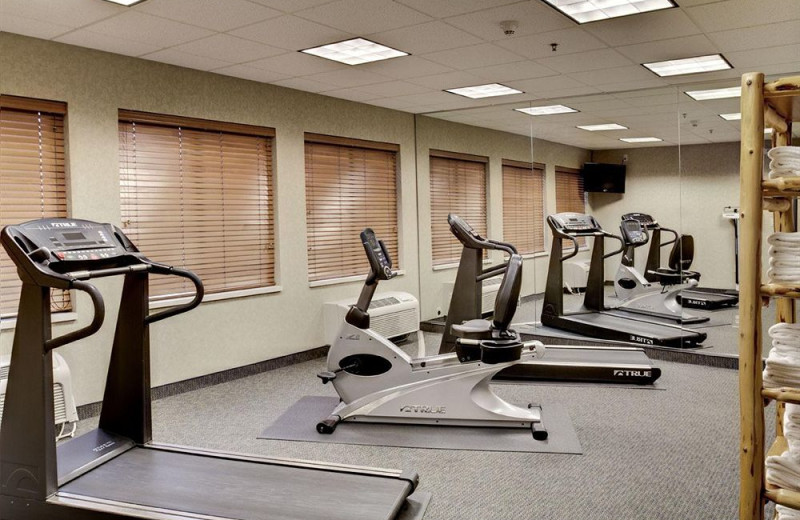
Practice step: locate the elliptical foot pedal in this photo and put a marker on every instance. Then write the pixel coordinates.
(328, 425)
(500, 351)
(326, 376)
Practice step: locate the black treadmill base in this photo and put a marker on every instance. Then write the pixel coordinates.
(530, 372)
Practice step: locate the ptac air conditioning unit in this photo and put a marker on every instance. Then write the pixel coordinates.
(391, 314)
(64, 401)
(488, 295)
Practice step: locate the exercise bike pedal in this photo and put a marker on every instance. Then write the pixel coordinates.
(326, 376)
(328, 425)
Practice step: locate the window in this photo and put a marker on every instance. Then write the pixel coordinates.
(570, 196)
(32, 180)
(198, 194)
(350, 185)
(523, 206)
(458, 185)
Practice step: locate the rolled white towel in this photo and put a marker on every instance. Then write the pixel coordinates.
(784, 470)
(786, 513)
(791, 427)
(784, 152)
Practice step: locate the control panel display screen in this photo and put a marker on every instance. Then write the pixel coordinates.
(73, 236)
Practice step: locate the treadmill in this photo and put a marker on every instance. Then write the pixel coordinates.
(595, 364)
(593, 318)
(706, 298)
(116, 471)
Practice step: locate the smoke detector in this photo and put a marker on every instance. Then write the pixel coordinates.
(509, 27)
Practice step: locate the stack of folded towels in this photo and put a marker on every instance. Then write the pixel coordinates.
(783, 361)
(784, 470)
(785, 161)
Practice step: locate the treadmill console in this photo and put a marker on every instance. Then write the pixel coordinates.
(64, 244)
(378, 257)
(633, 232)
(574, 224)
(464, 232)
(647, 221)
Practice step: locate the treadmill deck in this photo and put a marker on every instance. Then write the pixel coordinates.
(216, 487)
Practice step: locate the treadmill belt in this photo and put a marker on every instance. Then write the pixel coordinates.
(631, 325)
(238, 489)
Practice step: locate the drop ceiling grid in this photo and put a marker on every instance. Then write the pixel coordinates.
(454, 43)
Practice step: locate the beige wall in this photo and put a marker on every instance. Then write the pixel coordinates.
(684, 189)
(438, 134)
(225, 334)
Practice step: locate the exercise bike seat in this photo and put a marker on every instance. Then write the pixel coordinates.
(680, 260)
(492, 341)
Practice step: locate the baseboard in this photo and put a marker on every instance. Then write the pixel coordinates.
(179, 387)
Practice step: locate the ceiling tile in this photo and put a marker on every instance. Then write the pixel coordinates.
(545, 84)
(583, 61)
(291, 33)
(73, 13)
(613, 75)
(346, 78)
(474, 56)
(393, 88)
(297, 64)
(144, 28)
(697, 45)
(291, 6)
(304, 84)
(351, 94)
(447, 80)
(692, 3)
(445, 8)
(645, 27)
(393, 103)
(251, 73)
(211, 14)
(425, 37)
(734, 14)
(756, 58)
(512, 71)
(228, 48)
(405, 67)
(640, 85)
(534, 17)
(104, 42)
(29, 27)
(539, 45)
(364, 16)
(757, 37)
(184, 59)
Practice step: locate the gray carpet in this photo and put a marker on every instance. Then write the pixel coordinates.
(647, 455)
(298, 424)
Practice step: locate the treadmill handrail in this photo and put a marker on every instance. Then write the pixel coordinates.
(575, 248)
(178, 309)
(675, 236)
(94, 326)
(621, 246)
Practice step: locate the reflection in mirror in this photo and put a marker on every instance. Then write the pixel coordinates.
(679, 148)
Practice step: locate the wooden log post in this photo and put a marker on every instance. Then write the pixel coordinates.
(751, 453)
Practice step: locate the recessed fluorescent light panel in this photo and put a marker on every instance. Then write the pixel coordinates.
(715, 93)
(484, 91)
(599, 128)
(731, 117)
(355, 51)
(126, 3)
(694, 65)
(546, 111)
(641, 139)
(583, 11)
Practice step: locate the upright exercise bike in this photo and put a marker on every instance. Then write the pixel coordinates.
(637, 294)
(378, 382)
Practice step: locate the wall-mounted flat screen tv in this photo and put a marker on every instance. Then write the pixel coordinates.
(604, 178)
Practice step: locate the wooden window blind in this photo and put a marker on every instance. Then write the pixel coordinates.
(458, 185)
(523, 206)
(350, 185)
(32, 180)
(570, 196)
(198, 194)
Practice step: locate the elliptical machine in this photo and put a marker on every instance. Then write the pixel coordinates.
(635, 292)
(378, 382)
